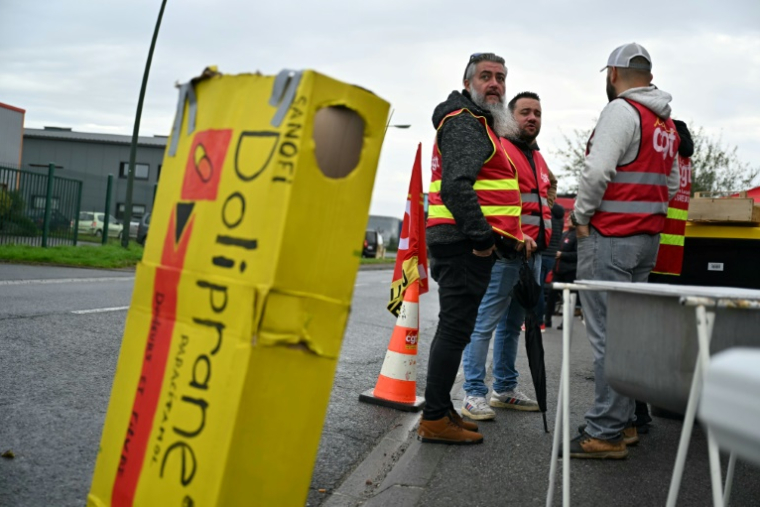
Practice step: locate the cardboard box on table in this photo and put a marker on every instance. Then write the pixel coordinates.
(243, 293)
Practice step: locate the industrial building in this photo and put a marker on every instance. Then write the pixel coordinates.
(90, 158)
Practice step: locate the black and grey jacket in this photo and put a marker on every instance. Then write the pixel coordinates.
(465, 147)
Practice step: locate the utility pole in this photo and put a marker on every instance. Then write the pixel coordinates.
(133, 149)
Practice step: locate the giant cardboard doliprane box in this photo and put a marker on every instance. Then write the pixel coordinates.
(243, 293)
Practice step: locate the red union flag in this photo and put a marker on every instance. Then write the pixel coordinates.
(411, 260)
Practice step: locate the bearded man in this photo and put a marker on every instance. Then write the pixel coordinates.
(473, 215)
(629, 175)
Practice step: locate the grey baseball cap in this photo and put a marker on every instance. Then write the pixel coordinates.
(623, 55)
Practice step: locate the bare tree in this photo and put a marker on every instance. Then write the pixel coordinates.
(716, 168)
(573, 153)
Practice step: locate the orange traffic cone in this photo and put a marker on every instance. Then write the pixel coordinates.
(397, 384)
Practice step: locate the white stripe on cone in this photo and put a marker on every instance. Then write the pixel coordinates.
(400, 366)
(409, 315)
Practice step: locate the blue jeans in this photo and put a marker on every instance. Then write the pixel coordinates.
(547, 264)
(628, 259)
(496, 308)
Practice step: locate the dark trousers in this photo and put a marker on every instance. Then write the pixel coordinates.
(462, 283)
(642, 413)
(547, 264)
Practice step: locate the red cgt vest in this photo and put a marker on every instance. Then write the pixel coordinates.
(496, 188)
(670, 255)
(534, 188)
(636, 200)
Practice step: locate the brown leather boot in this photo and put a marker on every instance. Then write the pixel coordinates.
(586, 446)
(469, 426)
(446, 431)
(631, 435)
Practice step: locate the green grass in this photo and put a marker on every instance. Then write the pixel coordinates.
(378, 261)
(87, 238)
(108, 256)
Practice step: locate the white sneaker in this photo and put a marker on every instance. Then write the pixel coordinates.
(515, 399)
(476, 408)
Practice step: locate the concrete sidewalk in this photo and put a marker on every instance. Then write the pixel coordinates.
(512, 466)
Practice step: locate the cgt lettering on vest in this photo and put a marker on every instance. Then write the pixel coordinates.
(664, 139)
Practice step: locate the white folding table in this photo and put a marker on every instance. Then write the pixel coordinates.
(705, 300)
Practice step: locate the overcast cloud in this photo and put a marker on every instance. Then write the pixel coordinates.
(79, 63)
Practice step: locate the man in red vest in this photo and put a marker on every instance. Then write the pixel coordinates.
(498, 310)
(629, 175)
(670, 255)
(473, 212)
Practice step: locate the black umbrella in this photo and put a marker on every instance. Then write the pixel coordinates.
(527, 292)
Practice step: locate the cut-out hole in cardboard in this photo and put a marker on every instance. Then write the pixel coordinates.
(338, 139)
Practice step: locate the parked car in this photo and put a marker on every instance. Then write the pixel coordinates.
(58, 221)
(373, 245)
(91, 222)
(142, 229)
(134, 225)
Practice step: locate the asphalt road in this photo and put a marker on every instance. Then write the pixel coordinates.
(56, 369)
(60, 333)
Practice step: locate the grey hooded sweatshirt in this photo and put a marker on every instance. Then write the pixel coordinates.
(615, 142)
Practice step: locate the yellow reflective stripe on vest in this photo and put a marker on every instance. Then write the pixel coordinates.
(441, 211)
(508, 184)
(671, 239)
(500, 211)
(678, 214)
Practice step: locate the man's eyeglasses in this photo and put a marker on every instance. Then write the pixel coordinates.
(482, 57)
(476, 58)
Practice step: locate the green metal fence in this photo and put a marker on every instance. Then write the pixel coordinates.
(38, 209)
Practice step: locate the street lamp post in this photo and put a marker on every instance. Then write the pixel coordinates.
(133, 148)
(397, 126)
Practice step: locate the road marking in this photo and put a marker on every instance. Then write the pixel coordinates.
(67, 280)
(101, 310)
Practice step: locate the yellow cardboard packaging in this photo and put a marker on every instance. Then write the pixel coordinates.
(243, 293)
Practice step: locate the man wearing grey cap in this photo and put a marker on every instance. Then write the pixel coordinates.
(629, 175)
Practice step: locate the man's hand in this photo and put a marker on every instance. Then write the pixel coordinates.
(558, 254)
(582, 231)
(484, 253)
(529, 245)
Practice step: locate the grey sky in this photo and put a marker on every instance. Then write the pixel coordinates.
(79, 63)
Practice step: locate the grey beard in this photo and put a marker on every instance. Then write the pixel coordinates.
(504, 123)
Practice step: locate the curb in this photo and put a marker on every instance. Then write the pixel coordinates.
(398, 469)
(365, 479)
(376, 267)
(58, 265)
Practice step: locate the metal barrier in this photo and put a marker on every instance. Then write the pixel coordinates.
(38, 209)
